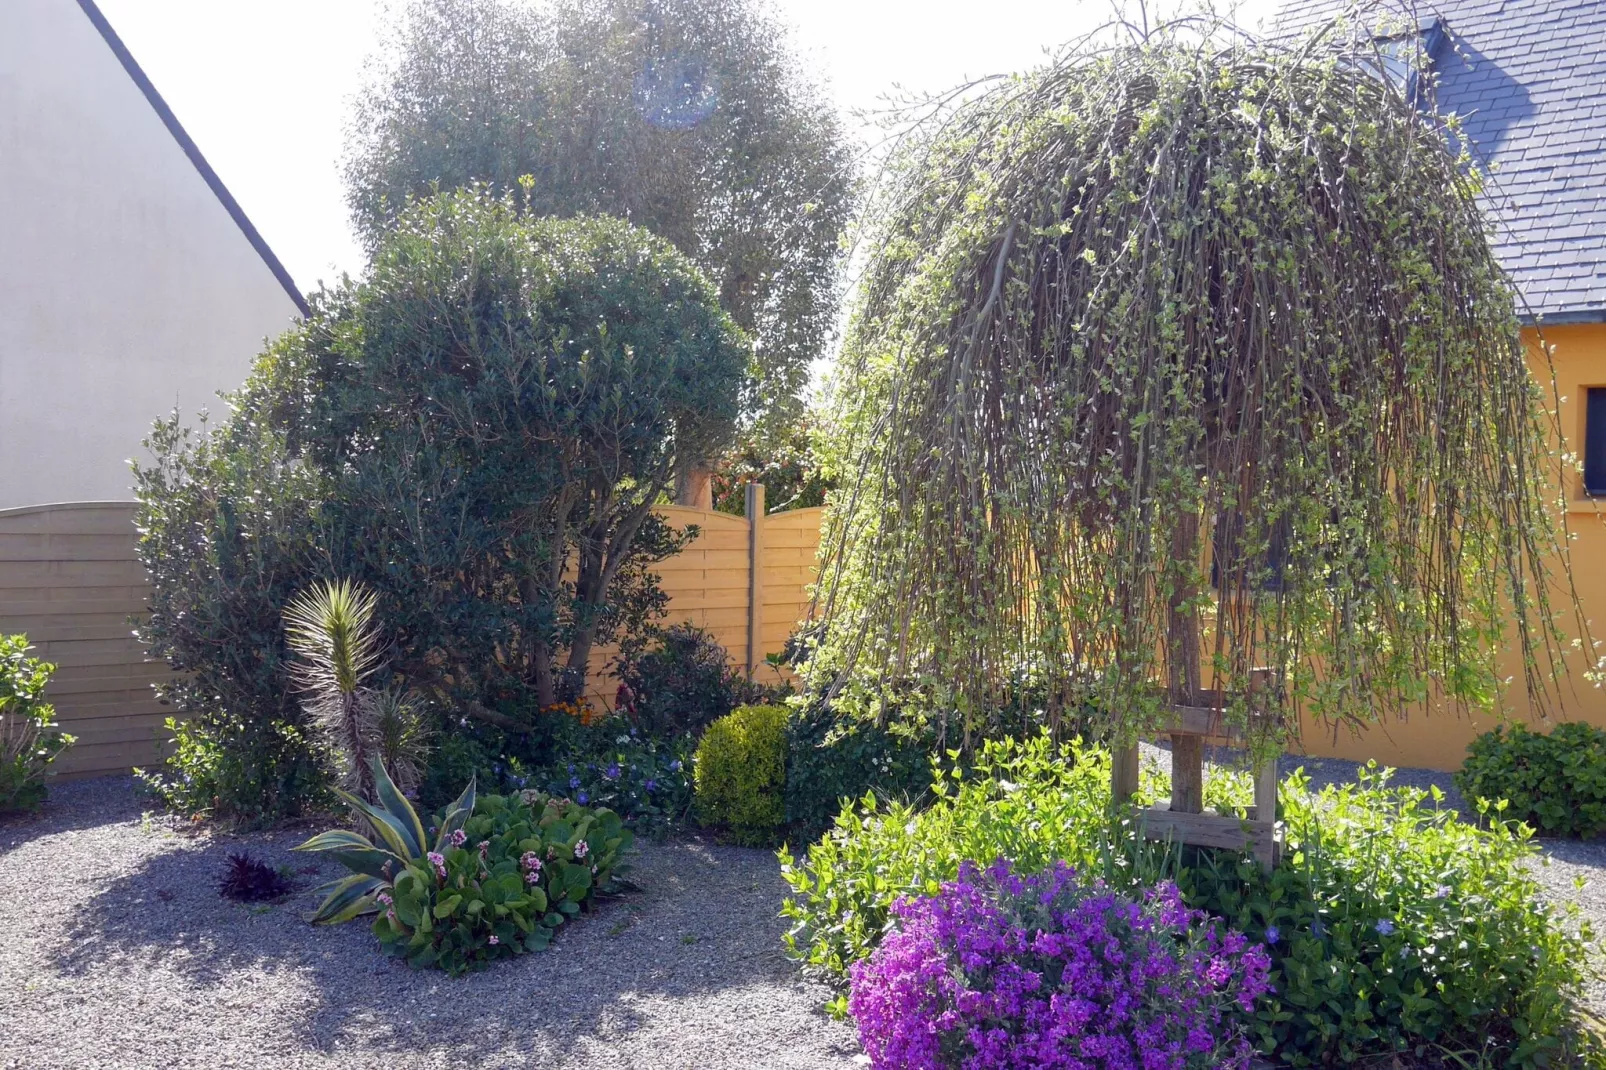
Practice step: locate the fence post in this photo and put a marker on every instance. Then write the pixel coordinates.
(755, 573)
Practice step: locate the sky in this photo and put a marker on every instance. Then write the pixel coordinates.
(264, 86)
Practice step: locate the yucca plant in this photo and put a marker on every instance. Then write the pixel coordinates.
(376, 866)
(331, 628)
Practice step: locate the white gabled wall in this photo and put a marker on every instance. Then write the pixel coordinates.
(126, 287)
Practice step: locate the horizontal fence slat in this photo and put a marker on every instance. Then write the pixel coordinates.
(33, 574)
(69, 576)
(100, 518)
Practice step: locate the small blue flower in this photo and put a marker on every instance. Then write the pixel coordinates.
(612, 772)
(574, 782)
(1442, 892)
(1273, 934)
(1384, 926)
(571, 768)
(649, 785)
(674, 766)
(582, 798)
(1317, 929)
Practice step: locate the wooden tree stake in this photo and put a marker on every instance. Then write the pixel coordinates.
(1187, 773)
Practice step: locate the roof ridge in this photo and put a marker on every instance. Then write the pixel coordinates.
(193, 151)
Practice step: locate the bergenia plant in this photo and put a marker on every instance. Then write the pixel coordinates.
(998, 971)
(376, 866)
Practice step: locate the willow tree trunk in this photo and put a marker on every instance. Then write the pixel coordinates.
(1182, 654)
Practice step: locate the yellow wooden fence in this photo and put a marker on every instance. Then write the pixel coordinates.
(69, 580)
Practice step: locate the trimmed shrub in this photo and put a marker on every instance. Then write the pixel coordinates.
(29, 737)
(832, 759)
(1000, 971)
(1554, 782)
(1391, 924)
(741, 774)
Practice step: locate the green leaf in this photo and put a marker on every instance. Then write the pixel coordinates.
(457, 814)
(348, 898)
(388, 827)
(399, 808)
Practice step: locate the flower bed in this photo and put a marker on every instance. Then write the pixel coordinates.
(998, 971)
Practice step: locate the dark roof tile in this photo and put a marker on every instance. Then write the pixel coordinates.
(1528, 78)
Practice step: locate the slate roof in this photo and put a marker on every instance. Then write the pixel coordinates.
(1528, 78)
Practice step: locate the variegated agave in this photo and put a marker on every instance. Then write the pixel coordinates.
(377, 866)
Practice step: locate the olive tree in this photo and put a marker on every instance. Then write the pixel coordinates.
(691, 118)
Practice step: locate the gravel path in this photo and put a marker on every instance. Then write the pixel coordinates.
(119, 953)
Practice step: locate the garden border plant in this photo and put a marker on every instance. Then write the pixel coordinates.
(499, 876)
(30, 738)
(1554, 781)
(1392, 925)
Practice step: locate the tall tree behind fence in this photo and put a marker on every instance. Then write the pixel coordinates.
(69, 579)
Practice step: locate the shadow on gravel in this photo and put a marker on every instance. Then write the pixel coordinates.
(70, 806)
(705, 923)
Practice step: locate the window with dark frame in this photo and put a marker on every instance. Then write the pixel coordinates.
(1595, 440)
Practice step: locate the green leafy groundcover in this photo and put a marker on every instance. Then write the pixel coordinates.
(526, 865)
(1392, 925)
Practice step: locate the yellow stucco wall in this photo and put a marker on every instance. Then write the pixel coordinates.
(1438, 740)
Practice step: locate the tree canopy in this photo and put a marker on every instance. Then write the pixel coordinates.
(1175, 360)
(691, 118)
(477, 431)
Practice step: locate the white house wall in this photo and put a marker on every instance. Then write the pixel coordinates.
(126, 287)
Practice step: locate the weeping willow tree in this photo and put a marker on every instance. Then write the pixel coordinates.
(1176, 360)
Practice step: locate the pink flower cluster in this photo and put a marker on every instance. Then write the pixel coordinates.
(437, 860)
(532, 867)
(998, 971)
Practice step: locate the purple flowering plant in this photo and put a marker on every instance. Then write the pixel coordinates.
(998, 971)
(610, 764)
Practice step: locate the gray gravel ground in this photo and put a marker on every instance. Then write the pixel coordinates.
(117, 952)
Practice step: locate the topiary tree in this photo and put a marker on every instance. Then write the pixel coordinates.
(477, 432)
(1186, 358)
(691, 118)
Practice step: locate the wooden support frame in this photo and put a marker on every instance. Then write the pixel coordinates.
(1191, 726)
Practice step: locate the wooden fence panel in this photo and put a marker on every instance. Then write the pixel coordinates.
(70, 580)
